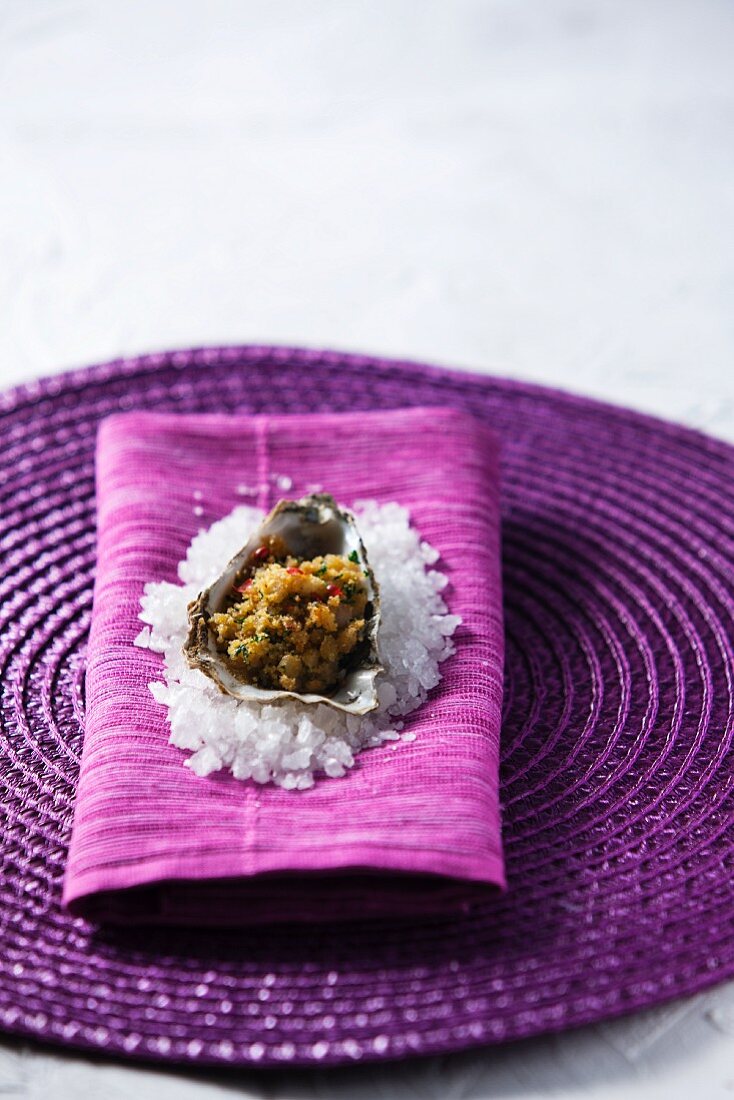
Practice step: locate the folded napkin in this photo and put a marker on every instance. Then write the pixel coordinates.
(406, 831)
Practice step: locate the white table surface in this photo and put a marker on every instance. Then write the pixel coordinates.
(542, 189)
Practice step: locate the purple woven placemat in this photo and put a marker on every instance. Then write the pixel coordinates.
(618, 831)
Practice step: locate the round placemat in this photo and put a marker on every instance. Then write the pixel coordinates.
(619, 837)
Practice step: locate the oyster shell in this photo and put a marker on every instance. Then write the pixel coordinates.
(309, 527)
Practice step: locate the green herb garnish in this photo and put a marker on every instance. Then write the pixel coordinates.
(354, 556)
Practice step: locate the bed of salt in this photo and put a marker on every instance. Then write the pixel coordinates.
(288, 743)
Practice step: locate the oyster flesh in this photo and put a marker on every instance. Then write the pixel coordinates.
(305, 529)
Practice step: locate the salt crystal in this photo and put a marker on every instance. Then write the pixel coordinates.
(159, 692)
(298, 759)
(205, 761)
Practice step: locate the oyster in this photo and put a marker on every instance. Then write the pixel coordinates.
(308, 528)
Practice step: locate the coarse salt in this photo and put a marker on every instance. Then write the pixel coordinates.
(290, 743)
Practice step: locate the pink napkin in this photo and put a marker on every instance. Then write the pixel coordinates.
(407, 830)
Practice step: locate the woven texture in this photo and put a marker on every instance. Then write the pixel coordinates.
(428, 808)
(618, 548)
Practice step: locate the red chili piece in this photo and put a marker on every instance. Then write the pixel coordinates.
(334, 590)
(293, 569)
(244, 587)
(261, 553)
